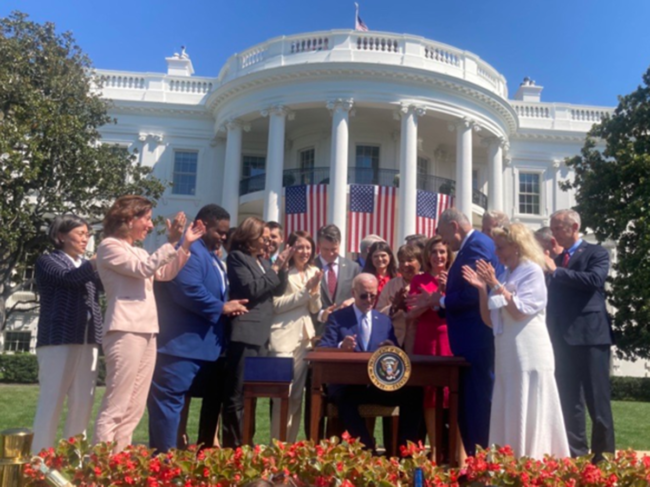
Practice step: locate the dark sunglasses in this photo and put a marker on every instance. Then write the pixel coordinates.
(366, 296)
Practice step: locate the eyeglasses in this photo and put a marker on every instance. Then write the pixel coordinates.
(366, 296)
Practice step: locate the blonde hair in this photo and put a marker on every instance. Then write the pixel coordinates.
(523, 237)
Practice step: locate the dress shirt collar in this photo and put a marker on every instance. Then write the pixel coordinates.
(326, 265)
(360, 314)
(571, 250)
(462, 244)
(75, 262)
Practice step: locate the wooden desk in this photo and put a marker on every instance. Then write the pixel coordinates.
(351, 368)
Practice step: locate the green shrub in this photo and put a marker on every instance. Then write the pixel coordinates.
(631, 389)
(22, 368)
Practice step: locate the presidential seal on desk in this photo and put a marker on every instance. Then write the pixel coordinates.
(389, 368)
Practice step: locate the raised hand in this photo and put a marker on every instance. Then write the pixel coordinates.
(175, 227)
(472, 277)
(328, 311)
(442, 281)
(486, 272)
(193, 233)
(283, 258)
(399, 300)
(314, 282)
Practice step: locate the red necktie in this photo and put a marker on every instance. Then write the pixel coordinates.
(331, 280)
(565, 259)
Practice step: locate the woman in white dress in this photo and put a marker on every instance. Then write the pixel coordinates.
(293, 330)
(526, 412)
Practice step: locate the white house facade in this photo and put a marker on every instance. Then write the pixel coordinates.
(344, 107)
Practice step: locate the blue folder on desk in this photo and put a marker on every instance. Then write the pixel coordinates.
(268, 369)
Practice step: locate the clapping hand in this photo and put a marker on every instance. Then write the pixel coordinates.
(472, 277)
(236, 307)
(550, 263)
(349, 343)
(193, 233)
(175, 227)
(442, 281)
(328, 311)
(486, 273)
(399, 300)
(314, 282)
(283, 258)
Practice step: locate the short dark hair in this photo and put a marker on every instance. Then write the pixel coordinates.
(330, 232)
(64, 224)
(212, 212)
(408, 252)
(125, 209)
(251, 229)
(380, 247)
(417, 239)
(273, 226)
(307, 236)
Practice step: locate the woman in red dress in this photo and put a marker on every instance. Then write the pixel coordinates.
(431, 330)
(381, 264)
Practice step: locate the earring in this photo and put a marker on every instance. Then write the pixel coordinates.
(130, 225)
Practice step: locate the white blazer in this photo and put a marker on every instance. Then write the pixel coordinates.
(127, 273)
(292, 322)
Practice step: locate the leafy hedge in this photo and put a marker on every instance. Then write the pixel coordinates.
(22, 368)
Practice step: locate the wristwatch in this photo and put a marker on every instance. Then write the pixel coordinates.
(497, 286)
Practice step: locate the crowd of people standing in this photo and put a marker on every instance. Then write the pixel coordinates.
(526, 310)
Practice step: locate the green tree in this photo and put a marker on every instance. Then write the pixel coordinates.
(51, 156)
(613, 197)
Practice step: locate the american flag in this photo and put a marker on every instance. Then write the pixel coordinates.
(372, 210)
(358, 23)
(429, 208)
(305, 208)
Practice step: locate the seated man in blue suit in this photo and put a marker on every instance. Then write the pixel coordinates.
(192, 310)
(360, 328)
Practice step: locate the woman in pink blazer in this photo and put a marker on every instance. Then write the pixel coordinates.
(131, 321)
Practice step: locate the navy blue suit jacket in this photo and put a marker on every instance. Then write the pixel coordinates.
(576, 311)
(466, 329)
(343, 323)
(190, 308)
(70, 312)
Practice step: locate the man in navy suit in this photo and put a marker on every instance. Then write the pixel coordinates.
(581, 334)
(469, 337)
(360, 328)
(192, 311)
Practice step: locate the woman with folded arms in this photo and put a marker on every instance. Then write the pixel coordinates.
(69, 332)
(131, 321)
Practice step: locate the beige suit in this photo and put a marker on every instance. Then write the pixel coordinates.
(404, 328)
(130, 328)
(291, 333)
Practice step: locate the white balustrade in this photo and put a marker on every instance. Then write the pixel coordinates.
(372, 43)
(587, 115)
(441, 55)
(310, 44)
(533, 111)
(253, 56)
(123, 81)
(189, 86)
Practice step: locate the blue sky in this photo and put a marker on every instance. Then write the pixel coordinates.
(581, 51)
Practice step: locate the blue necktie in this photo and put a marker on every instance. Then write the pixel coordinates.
(365, 332)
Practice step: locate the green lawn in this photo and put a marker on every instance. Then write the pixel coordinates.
(18, 405)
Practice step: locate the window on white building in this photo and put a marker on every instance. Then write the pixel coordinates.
(307, 163)
(253, 166)
(185, 166)
(17, 341)
(367, 164)
(529, 193)
(423, 166)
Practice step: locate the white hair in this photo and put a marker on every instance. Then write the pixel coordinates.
(568, 215)
(499, 217)
(368, 241)
(454, 215)
(364, 277)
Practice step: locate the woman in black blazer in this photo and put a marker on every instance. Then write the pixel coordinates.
(254, 278)
(69, 332)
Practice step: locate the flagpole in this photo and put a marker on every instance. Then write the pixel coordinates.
(356, 14)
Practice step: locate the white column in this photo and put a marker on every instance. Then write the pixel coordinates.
(274, 162)
(464, 166)
(408, 171)
(232, 170)
(338, 187)
(495, 173)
